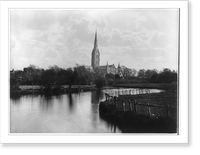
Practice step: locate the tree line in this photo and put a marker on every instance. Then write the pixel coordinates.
(81, 75)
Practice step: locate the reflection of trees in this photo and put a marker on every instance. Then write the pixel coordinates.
(112, 127)
(70, 99)
(46, 102)
(96, 96)
(15, 98)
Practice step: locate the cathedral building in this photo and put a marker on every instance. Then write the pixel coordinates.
(95, 54)
(95, 61)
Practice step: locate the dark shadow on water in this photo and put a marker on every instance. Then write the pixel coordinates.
(111, 126)
(15, 100)
(96, 96)
(130, 123)
(15, 97)
(71, 102)
(46, 101)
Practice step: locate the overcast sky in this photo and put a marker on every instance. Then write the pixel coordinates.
(140, 39)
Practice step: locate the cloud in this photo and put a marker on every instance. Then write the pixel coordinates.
(82, 31)
(115, 37)
(159, 40)
(65, 37)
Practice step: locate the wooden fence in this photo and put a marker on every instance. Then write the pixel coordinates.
(132, 105)
(128, 92)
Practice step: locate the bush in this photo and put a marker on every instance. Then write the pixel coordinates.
(100, 82)
(110, 82)
(130, 81)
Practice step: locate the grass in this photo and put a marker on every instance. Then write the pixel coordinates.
(149, 85)
(167, 97)
(60, 89)
(141, 122)
(127, 122)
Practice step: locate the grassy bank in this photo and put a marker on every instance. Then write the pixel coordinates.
(148, 86)
(35, 89)
(130, 123)
(167, 97)
(27, 89)
(141, 122)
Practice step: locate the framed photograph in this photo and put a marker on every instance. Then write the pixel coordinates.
(94, 72)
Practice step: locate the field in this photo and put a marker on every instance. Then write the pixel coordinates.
(160, 120)
(149, 86)
(54, 89)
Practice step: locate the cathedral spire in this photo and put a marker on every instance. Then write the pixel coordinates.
(118, 65)
(95, 40)
(95, 54)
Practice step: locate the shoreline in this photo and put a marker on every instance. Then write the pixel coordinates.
(148, 86)
(28, 90)
(139, 119)
(127, 121)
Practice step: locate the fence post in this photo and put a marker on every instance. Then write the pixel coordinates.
(130, 106)
(134, 104)
(114, 99)
(124, 107)
(149, 110)
(115, 105)
(168, 110)
(107, 97)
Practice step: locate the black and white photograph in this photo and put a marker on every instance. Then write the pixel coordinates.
(94, 72)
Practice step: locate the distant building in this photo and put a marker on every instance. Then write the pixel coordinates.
(89, 68)
(95, 54)
(95, 61)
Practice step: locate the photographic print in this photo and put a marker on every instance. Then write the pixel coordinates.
(94, 70)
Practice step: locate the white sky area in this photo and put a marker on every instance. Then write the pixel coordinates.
(138, 38)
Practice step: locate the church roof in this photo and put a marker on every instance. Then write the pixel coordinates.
(111, 65)
(102, 67)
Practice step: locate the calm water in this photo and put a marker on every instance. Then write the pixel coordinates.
(67, 113)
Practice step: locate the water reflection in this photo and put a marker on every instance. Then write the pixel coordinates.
(46, 102)
(97, 96)
(66, 113)
(113, 128)
(15, 97)
(70, 101)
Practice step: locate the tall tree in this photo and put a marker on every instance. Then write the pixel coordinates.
(141, 73)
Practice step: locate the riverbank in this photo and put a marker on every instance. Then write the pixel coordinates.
(142, 119)
(27, 89)
(59, 89)
(148, 86)
(130, 123)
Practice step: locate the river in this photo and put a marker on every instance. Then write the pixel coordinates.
(66, 113)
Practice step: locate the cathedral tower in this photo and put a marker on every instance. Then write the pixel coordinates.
(95, 54)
